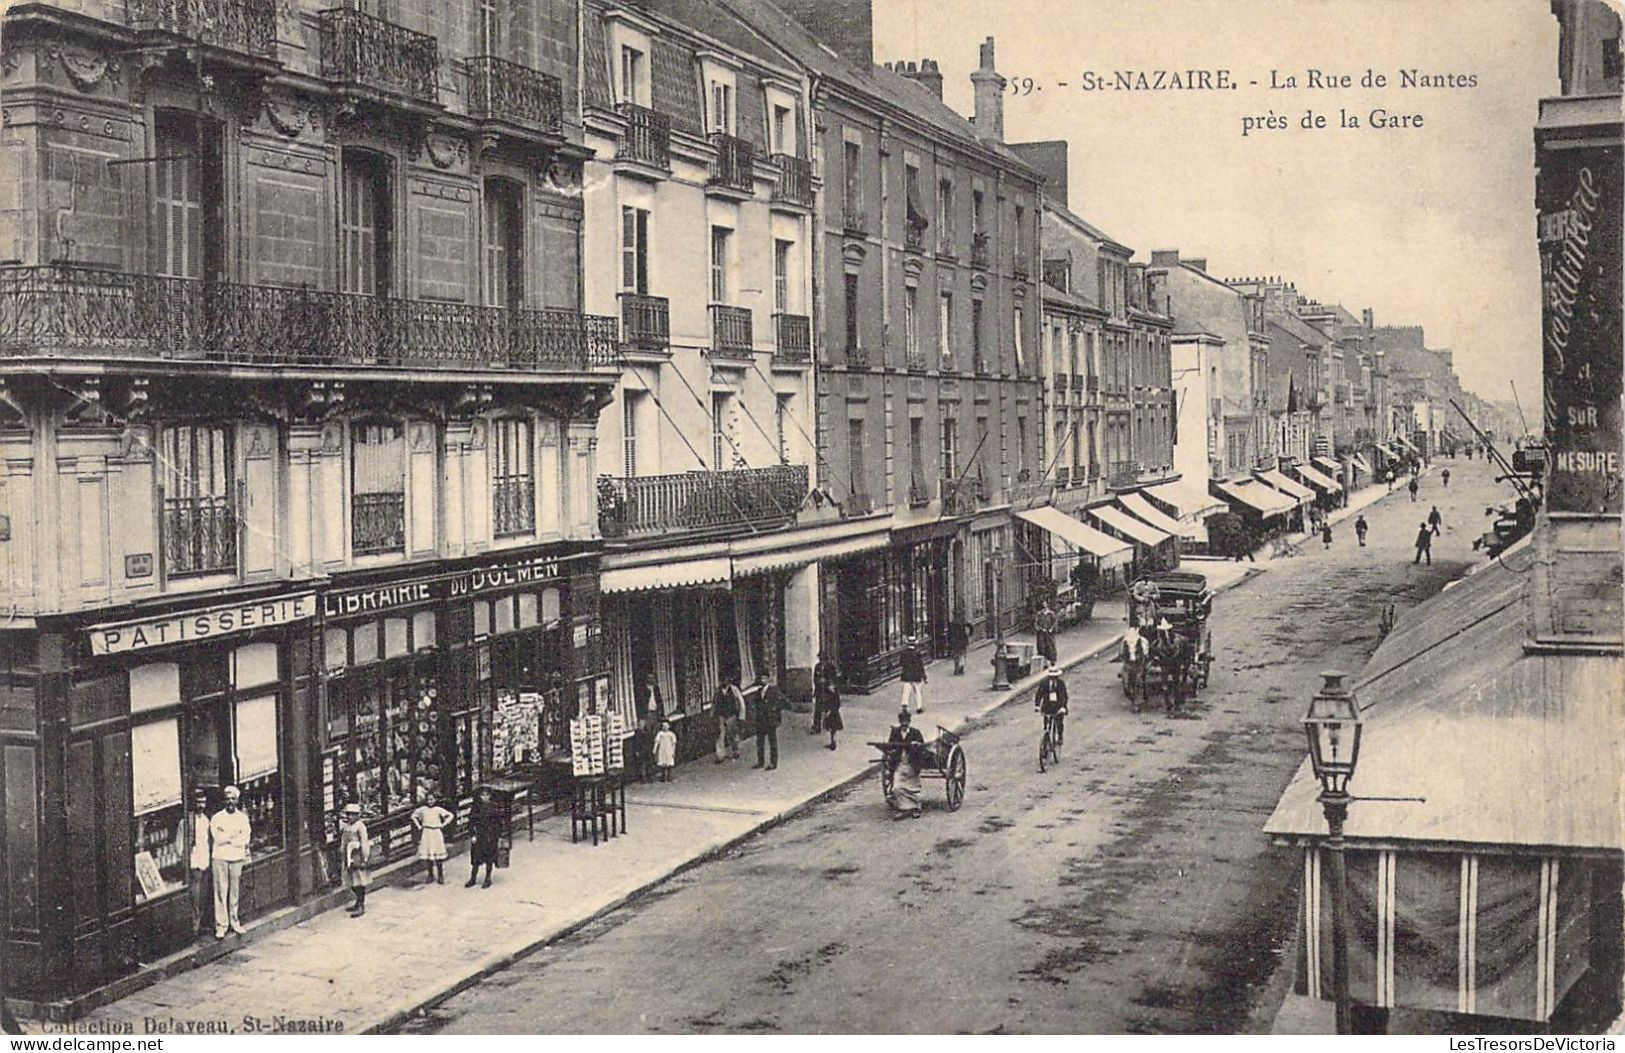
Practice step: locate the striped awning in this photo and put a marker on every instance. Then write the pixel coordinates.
(797, 548)
(1329, 465)
(1140, 508)
(1123, 523)
(1258, 498)
(1108, 550)
(1317, 480)
(675, 574)
(1408, 444)
(1188, 500)
(1360, 464)
(1299, 493)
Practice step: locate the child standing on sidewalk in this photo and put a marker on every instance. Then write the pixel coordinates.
(665, 750)
(430, 819)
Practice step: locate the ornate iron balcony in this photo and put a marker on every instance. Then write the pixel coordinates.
(651, 505)
(734, 167)
(731, 335)
(200, 536)
(857, 356)
(794, 338)
(648, 136)
(945, 243)
(513, 505)
(914, 360)
(979, 250)
(854, 218)
(1063, 384)
(245, 27)
(500, 90)
(914, 237)
(71, 312)
(645, 322)
(959, 496)
(377, 523)
(1092, 384)
(794, 186)
(359, 48)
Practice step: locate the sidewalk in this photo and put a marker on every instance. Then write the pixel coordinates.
(419, 943)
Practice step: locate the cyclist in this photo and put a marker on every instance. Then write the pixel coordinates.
(1051, 701)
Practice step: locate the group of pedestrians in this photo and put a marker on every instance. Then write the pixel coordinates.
(729, 706)
(217, 849)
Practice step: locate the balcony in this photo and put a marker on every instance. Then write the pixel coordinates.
(499, 90)
(654, 505)
(79, 312)
(647, 139)
(513, 506)
(960, 496)
(1063, 384)
(792, 334)
(857, 356)
(200, 536)
(979, 251)
(1019, 269)
(794, 185)
(1123, 475)
(645, 322)
(242, 27)
(854, 218)
(364, 50)
(913, 238)
(945, 244)
(377, 523)
(919, 493)
(731, 332)
(734, 167)
(1081, 384)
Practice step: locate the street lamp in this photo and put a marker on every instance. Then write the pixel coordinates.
(1333, 726)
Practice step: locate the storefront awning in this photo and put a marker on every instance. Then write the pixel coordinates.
(1256, 497)
(1387, 451)
(1121, 521)
(670, 575)
(1327, 464)
(1406, 443)
(800, 547)
(1187, 500)
(1299, 493)
(1107, 549)
(1317, 480)
(1361, 465)
(1140, 508)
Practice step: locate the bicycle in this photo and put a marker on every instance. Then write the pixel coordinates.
(1049, 744)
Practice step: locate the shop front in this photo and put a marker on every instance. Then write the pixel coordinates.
(132, 718)
(882, 598)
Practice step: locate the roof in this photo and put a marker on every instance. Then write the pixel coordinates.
(1508, 746)
(1297, 328)
(1184, 326)
(1052, 295)
(1083, 224)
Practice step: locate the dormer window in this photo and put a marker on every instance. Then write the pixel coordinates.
(722, 107)
(634, 75)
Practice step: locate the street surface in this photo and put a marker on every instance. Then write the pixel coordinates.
(1128, 890)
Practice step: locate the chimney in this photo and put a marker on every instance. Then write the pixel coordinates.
(1198, 262)
(989, 87)
(1368, 318)
(930, 77)
(847, 27)
(1050, 159)
(1164, 257)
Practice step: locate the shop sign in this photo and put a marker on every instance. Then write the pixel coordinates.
(489, 578)
(209, 624)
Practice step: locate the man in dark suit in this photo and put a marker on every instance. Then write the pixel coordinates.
(769, 706)
(913, 670)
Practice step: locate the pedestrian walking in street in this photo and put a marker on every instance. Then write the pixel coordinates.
(769, 708)
(728, 704)
(1045, 624)
(665, 750)
(958, 641)
(355, 848)
(913, 669)
(1326, 533)
(825, 681)
(1413, 488)
(431, 820)
(1389, 475)
(1435, 520)
(196, 831)
(1424, 544)
(832, 712)
(229, 837)
(1444, 477)
(904, 760)
(485, 826)
(1360, 528)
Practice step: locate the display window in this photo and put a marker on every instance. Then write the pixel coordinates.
(160, 818)
(385, 714)
(522, 645)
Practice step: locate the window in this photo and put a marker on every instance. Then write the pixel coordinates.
(976, 225)
(916, 453)
(945, 329)
(781, 426)
(722, 107)
(911, 327)
(200, 521)
(720, 445)
(632, 64)
(978, 356)
(783, 137)
(781, 274)
(913, 206)
(857, 470)
(635, 250)
(1021, 340)
(950, 451)
(1060, 440)
(945, 215)
(1021, 443)
(378, 485)
(490, 28)
(852, 178)
(1072, 353)
(1021, 237)
(504, 244)
(720, 237)
(364, 225)
(513, 478)
(850, 291)
(980, 454)
(629, 431)
(189, 197)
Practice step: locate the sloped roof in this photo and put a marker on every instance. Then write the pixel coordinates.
(1297, 328)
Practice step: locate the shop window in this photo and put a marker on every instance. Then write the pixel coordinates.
(160, 841)
(258, 769)
(395, 643)
(154, 686)
(482, 618)
(423, 636)
(336, 648)
(364, 644)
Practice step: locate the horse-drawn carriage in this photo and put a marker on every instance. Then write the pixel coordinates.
(1170, 652)
(941, 758)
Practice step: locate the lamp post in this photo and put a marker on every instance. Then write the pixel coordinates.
(1333, 727)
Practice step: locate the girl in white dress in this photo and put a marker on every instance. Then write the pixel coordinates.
(431, 820)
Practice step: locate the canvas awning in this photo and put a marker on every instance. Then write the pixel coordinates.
(1108, 550)
(1361, 464)
(1388, 451)
(797, 548)
(674, 574)
(1327, 464)
(1123, 523)
(1139, 507)
(1317, 480)
(1406, 443)
(1188, 501)
(1256, 497)
(1299, 493)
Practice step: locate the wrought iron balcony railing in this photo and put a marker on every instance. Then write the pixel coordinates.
(513, 505)
(731, 335)
(914, 360)
(959, 496)
(363, 49)
(734, 167)
(794, 185)
(649, 505)
(793, 337)
(979, 250)
(645, 321)
(1092, 384)
(913, 237)
(857, 356)
(500, 90)
(71, 312)
(1122, 474)
(919, 493)
(648, 136)
(854, 217)
(200, 536)
(377, 523)
(1063, 384)
(245, 27)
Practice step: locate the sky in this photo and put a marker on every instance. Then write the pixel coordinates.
(1430, 226)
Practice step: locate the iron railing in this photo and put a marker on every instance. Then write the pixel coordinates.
(506, 91)
(731, 334)
(914, 360)
(854, 218)
(377, 523)
(1092, 384)
(246, 27)
(1122, 473)
(1063, 384)
(1058, 274)
(914, 238)
(734, 167)
(857, 356)
(62, 311)
(513, 505)
(794, 185)
(648, 505)
(645, 321)
(979, 250)
(919, 493)
(959, 496)
(364, 49)
(200, 535)
(793, 335)
(648, 136)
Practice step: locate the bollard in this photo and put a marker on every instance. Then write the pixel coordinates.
(1001, 667)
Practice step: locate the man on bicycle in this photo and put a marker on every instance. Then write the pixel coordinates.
(1051, 700)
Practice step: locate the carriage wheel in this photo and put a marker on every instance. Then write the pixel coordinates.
(953, 779)
(885, 782)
